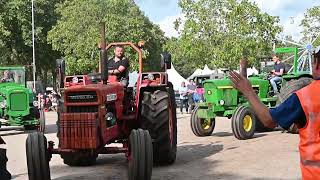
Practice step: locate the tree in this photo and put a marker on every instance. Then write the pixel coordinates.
(16, 34)
(311, 24)
(76, 34)
(220, 33)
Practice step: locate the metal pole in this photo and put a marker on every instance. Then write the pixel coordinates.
(33, 51)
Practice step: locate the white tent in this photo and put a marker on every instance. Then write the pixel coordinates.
(133, 78)
(206, 70)
(195, 73)
(175, 78)
(252, 71)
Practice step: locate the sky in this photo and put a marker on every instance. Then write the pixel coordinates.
(164, 13)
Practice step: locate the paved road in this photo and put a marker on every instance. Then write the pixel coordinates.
(272, 155)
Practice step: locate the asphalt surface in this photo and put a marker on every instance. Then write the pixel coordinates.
(271, 155)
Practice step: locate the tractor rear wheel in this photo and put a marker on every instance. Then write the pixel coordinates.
(140, 155)
(37, 157)
(287, 90)
(158, 116)
(201, 127)
(4, 173)
(243, 123)
(79, 158)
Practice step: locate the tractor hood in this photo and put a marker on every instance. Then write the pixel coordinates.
(16, 99)
(93, 94)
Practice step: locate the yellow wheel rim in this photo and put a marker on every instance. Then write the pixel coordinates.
(205, 124)
(247, 123)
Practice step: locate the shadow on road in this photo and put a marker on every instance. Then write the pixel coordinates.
(51, 128)
(222, 134)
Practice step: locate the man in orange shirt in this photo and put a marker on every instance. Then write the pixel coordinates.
(301, 108)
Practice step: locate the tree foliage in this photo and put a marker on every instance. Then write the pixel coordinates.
(220, 33)
(311, 24)
(77, 32)
(16, 34)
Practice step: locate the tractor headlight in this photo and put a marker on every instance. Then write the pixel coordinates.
(221, 102)
(3, 104)
(35, 103)
(150, 77)
(209, 92)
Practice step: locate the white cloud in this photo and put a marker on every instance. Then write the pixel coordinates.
(292, 27)
(167, 25)
(273, 6)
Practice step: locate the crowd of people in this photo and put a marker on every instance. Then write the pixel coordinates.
(48, 101)
(189, 95)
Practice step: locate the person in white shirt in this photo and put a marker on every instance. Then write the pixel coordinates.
(183, 91)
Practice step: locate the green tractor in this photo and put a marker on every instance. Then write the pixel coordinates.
(18, 105)
(222, 100)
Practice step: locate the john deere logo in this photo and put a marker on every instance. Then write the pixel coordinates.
(81, 97)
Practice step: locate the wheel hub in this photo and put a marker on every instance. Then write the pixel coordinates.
(205, 123)
(247, 123)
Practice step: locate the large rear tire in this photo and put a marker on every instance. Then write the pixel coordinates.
(158, 116)
(4, 173)
(287, 90)
(243, 123)
(140, 155)
(37, 157)
(201, 127)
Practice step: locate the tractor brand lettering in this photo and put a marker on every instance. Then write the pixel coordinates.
(111, 97)
(81, 97)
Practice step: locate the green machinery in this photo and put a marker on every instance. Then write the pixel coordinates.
(222, 100)
(18, 106)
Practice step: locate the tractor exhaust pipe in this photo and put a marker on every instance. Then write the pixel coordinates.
(243, 67)
(103, 64)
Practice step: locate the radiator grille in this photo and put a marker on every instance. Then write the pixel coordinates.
(78, 131)
(18, 101)
(82, 109)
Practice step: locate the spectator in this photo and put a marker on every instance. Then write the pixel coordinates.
(183, 91)
(6, 77)
(191, 88)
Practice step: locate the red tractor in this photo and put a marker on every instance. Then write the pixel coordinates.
(95, 112)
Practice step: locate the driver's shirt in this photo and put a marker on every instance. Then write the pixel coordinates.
(112, 65)
(278, 67)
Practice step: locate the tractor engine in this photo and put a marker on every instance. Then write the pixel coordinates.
(86, 112)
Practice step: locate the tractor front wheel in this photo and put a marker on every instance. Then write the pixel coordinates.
(200, 126)
(140, 155)
(243, 123)
(37, 157)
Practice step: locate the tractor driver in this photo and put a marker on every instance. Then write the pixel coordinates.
(118, 65)
(276, 73)
(6, 77)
